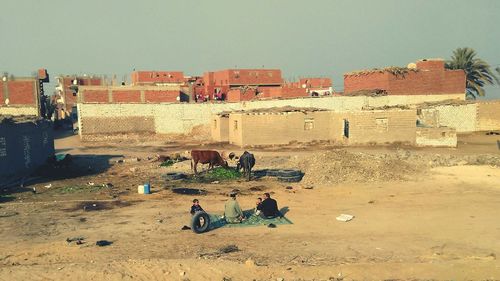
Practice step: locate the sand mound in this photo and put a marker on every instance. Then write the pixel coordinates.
(339, 166)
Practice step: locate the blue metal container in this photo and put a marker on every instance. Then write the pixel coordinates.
(147, 188)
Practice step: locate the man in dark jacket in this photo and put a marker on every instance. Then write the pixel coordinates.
(269, 208)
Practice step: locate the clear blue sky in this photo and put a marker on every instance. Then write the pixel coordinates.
(303, 38)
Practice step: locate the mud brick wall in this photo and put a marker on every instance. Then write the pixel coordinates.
(437, 137)
(247, 129)
(488, 116)
(220, 128)
(382, 127)
(24, 147)
(97, 117)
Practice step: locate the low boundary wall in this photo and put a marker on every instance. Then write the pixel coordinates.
(181, 118)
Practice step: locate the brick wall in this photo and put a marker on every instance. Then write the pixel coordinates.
(365, 127)
(220, 128)
(22, 91)
(488, 115)
(247, 129)
(430, 78)
(157, 77)
(382, 126)
(70, 99)
(161, 96)
(237, 95)
(130, 94)
(317, 83)
(181, 118)
(126, 96)
(462, 117)
(436, 137)
(18, 110)
(98, 96)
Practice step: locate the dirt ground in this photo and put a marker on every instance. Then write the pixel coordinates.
(420, 214)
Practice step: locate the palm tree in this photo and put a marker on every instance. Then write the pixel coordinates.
(478, 73)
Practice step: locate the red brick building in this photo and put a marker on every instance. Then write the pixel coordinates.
(68, 88)
(157, 77)
(220, 82)
(317, 85)
(426, 77)
(22, 92)
(130, 94)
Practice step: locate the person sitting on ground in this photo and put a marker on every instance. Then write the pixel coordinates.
(269, 208)
(258, 206)
(232, 210)
(196, 207)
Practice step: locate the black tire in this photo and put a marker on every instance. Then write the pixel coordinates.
(272, 172)
(289, 173)
(174, 176)
(290, 179)
(195, 222)
(259, 173)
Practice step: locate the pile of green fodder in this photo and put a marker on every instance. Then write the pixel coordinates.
(220, 173)
(168, 163)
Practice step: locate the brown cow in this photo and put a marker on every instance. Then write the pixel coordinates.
(210, 157)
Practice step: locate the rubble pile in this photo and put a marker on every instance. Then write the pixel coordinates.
(338, 166)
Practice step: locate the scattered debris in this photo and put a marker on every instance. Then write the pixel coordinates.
(78, 240)
(48, 185)
(492, 133)
(289, 187)
(185, 227)
(257, 188)
(271, 225)
(215, 182)
(345, 217)
(174, 176)
(189, 191)
(103, 243)
(228, 249)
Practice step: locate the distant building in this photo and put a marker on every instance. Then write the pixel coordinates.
(157, 77)
(67, 89)
(317, 86)
(218, 83)
(22, 95)
(425, 77)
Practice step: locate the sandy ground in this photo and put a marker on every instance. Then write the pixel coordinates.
(438, 223)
